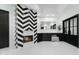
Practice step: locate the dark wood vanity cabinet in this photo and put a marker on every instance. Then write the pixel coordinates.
(4, 29)
(44, 37)
(47, 36)
(40, 37)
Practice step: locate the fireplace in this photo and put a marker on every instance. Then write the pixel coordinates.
(28, 38)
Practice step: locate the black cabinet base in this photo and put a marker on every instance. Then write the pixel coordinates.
(46, 36)
(71, 39)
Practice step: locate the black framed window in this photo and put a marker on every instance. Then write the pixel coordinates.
(75, 26)
(65, 27)
(70, 26)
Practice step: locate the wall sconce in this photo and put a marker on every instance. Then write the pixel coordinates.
(59, 27)
(53, 26)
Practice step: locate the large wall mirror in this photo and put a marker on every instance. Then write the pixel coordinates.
(45, 25)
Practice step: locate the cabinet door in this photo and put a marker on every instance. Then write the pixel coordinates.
(46, 37)
(39, 37)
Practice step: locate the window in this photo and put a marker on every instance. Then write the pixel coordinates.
(70, 26)
(75, 26)
(65, 27)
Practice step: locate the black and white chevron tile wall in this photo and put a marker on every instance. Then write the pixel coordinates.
(26, 20)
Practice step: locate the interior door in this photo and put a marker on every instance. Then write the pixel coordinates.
(4, 28)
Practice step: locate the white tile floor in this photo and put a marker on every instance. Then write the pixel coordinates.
(44, 48)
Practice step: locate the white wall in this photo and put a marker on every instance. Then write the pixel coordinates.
(51, 20)
(48, 18)
(11, 9)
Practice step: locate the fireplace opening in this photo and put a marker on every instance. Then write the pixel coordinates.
(28, 39)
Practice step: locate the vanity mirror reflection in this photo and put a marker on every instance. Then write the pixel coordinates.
(47, 25)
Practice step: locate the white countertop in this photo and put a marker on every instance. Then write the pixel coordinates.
(49, 31)
(28, 33)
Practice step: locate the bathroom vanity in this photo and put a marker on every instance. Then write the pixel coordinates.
(47, 36)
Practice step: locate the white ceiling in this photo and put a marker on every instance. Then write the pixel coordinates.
(48, 9)
(51, 8)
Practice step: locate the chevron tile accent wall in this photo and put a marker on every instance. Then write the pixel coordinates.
(26, 20)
